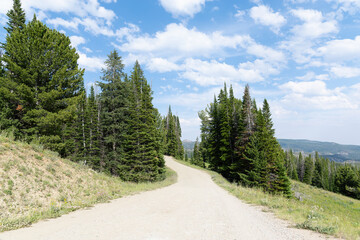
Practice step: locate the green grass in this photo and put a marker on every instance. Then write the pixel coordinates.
(319, 210)
(40, 185)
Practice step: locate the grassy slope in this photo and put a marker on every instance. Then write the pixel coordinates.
(319, 210)
(37, 184)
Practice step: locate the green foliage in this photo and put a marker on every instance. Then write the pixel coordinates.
(16, 17)
(143, 159)
(114, 101)
(44, 84)
(172, 131)
(347, 181)
(322, 173)
(238, 142)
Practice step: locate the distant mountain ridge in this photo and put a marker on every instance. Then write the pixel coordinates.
(332, 151)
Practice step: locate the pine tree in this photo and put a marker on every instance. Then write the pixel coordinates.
(214, 137)
(171, 138)
(43, 84)
(142, 161)
(196, 155)
(309, 169)
(225, 133)
(300, 167)
(16, 17)
(93, 135)
(317, 179)
(204, 136)
(114, 107)
(240, 168)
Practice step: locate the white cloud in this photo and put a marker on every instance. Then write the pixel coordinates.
(304, 36)
(183, 8)
(341, 50)
(92, 64)
(265, 15)
(314, 95)
(162, 65)
(312, 76)
(265, 52)
(96, 27)
(350, 6)
(240, 14)
(73, 25)
(314, 26)
(177, 42)
(207, 73)
(77, 40)
(80, 8)
(345, 72)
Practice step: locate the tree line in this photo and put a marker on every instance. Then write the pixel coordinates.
(322, 173)
(43, 99)
(237, 140)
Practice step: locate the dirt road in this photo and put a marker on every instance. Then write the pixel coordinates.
(194, 208)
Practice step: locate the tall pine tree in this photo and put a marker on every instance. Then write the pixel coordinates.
(114, 107)
(16, 17)
(142, 160)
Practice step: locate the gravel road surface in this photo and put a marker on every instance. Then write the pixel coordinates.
(194, 208)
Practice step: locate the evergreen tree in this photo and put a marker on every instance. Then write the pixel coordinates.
(114, 107)
(43, 84)
(16, 17)
(346, 181)
(214, 137)
(92, 129)
(317, 179)
(309, 168)
(142, 161)
(172, 145)
(301, 167)
(204, 136)
(196, 155)
(240, 168)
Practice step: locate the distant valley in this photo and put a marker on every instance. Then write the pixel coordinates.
(332, 151)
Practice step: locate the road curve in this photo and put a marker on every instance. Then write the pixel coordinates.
(194, 208)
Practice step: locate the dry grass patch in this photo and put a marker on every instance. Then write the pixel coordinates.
(37, 184)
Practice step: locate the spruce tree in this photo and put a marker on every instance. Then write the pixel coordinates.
(92, 126)
(114, 107)
(16, 17)
(309, 169)
(240, 168)
(317, 176)
(142, 161)
(171, 138)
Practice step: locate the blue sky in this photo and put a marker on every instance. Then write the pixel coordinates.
(301, 55)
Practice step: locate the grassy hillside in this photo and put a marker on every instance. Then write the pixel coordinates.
(318, 210)
(37, 184)
(333, 151)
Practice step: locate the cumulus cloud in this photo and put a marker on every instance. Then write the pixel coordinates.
(315, 95)
(345, 72)
(92, 64)
(77, 40)
(266, 16)
(314, 26)
(304, 36)
(183, 8)
(177, 41)
(341, 50)
(162, 65)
